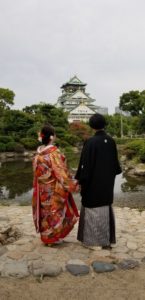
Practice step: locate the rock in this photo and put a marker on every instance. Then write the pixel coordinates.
(26, 154)
(131, 245)
(76, 262)
(10, 154)
(139, 170)
(128, 264)
(15, 255)
(6, 229)
(3, 238)
(3, 250)
(4, 219)
(143, 259)
(48, 270)
(11, 240)
(101, 267)
(77, 267)
(15, 269)
(28, 247)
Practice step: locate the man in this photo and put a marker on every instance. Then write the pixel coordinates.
(96, 174)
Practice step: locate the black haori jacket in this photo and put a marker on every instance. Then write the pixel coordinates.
(97, 169)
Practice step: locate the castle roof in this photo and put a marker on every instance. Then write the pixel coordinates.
(82, 109)
(74, 81)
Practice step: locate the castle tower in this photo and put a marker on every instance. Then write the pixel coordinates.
(76, 101)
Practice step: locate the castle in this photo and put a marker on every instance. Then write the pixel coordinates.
(77, 102)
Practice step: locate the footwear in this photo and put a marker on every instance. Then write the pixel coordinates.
(95, 248)
(55, 243)
(107, 247)
(58, 243)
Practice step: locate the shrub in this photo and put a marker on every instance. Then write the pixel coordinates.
(135, 148)
(2, 147)
(19, 148)
(5, 139)
(29, 143)
(10, 146)
(121, 141)
(61, 143)
(135, 145)
(32, 132)
(142, 154)
(129, 153)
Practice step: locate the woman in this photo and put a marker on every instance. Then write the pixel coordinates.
(96, 174)
(54, 210)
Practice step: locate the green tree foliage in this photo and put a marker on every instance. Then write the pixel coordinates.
(136, 148)
(133, 102)
(16, 123)
(6, 98)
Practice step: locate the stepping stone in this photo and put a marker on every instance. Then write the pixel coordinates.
(128, 264)
(101, 267)
(48, 270)
(15, 269)
(77, 267)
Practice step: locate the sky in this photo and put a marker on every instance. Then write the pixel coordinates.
(44, 43)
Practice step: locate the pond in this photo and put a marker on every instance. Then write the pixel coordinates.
(16, 186)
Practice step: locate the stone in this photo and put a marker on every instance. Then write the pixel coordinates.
(101, 267)
(15, 269)
(76, 262)
(11, 247)
(16, 255)
(46, 250)
(50, 270)
(28, 247)
(3, 250)
(143, 259)
(10, 154)
(11, 240)
(139, 170)
(36, 264)
(23, 241)
(128, 264)
(78, 269)
(4, 219)
(131, 245)
(33, 256)
(137, 255)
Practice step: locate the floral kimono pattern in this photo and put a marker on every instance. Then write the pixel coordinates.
(54, 210)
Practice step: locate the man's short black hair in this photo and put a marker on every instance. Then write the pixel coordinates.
(97, 121)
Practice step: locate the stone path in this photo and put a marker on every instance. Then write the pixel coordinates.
(28, 255)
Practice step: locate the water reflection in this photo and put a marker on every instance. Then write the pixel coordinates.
(16, 183)
(126, 183)
(15, 179)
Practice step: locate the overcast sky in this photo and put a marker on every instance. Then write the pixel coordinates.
(43, 43)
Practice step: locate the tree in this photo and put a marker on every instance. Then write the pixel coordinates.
(81, 130)
(17, 123)
(133, 102)
(6, 98)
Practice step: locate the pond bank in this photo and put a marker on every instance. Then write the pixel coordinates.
(12, 156)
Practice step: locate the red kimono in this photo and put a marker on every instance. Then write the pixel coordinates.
(54, 210)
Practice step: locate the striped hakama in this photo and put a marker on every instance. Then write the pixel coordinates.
(97, 226)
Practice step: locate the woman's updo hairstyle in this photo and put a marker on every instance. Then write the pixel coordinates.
(97, 121)
(46, 132)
